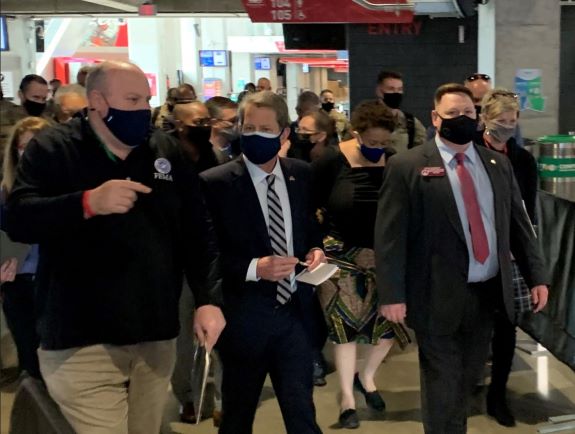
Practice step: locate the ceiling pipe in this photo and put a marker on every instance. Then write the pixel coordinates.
(375, 6)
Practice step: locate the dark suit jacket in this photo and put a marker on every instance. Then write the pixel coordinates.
(525, 169)
(241, 228)
(421, 254)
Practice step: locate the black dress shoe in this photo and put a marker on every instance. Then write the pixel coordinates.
(217, 417)
(348, 419)
(497, 408)
(188, 414)
(318, 375)
(373, 399)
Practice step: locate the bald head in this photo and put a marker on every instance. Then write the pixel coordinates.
(98, 77)
(478, 88)
(185, 93)
(263, 84)
(193, 113)
(120, 85)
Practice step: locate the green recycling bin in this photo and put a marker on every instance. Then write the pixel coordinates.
(557, 165)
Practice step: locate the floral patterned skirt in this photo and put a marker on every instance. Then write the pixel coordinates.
(349, 301)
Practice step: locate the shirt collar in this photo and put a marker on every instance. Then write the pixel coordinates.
(258, 175)
(448, 154)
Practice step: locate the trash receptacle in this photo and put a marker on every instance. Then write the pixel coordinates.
(557, 165)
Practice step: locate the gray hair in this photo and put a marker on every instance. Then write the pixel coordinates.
(270, 100)
(69, 89)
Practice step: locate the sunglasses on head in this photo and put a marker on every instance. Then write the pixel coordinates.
(474, 77)
(505, 93)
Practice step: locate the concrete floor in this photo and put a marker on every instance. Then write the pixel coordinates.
(540, 387)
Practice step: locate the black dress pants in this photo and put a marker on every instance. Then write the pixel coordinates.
(503, 350)
(20, 309)
(451, 365)
(314, 324)
(264, 338)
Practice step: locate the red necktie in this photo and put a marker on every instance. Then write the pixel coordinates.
(478, 235)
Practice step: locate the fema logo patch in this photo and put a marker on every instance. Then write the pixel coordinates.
(163, 166)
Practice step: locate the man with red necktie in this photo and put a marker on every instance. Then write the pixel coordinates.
(450, 215)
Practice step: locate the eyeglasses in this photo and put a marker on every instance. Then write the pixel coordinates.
(300, 131)
(205, 122)
(227, 122)
(483, 77)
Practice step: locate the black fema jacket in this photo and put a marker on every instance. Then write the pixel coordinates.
(113, 279)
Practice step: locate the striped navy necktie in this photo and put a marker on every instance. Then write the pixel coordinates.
(277, 233)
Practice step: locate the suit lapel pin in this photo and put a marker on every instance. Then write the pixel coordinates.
(291, 178)
(432, 171)
(493, 162)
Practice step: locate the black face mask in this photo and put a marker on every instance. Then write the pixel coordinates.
(301, 148)
(304, 139)
(34, 108)
(327, 106)
(198, 135)
(459, 130)
(392, 100)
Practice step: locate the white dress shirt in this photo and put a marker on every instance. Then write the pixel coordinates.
(478, 272)
(259, 178)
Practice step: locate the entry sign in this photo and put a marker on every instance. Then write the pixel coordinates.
(322, 11)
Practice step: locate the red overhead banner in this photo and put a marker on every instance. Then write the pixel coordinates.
(329, 11)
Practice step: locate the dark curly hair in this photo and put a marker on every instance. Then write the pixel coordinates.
(372, 114)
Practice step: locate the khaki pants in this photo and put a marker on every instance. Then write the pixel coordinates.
(107, 389)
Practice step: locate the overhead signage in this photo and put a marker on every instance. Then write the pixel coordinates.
(337, 11)
(262, 63)
(4, 44)
(407, 29)
(266, 45)
(210, 58)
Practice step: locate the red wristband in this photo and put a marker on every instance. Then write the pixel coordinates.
(88, 213)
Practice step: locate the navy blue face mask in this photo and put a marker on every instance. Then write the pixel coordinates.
(259, 147)
(131, 127)
(372, 154)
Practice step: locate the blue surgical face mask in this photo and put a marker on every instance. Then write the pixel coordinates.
(259, 147)
(131, 127)
(372, 154)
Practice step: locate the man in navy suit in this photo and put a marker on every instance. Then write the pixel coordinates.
(264, 218)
